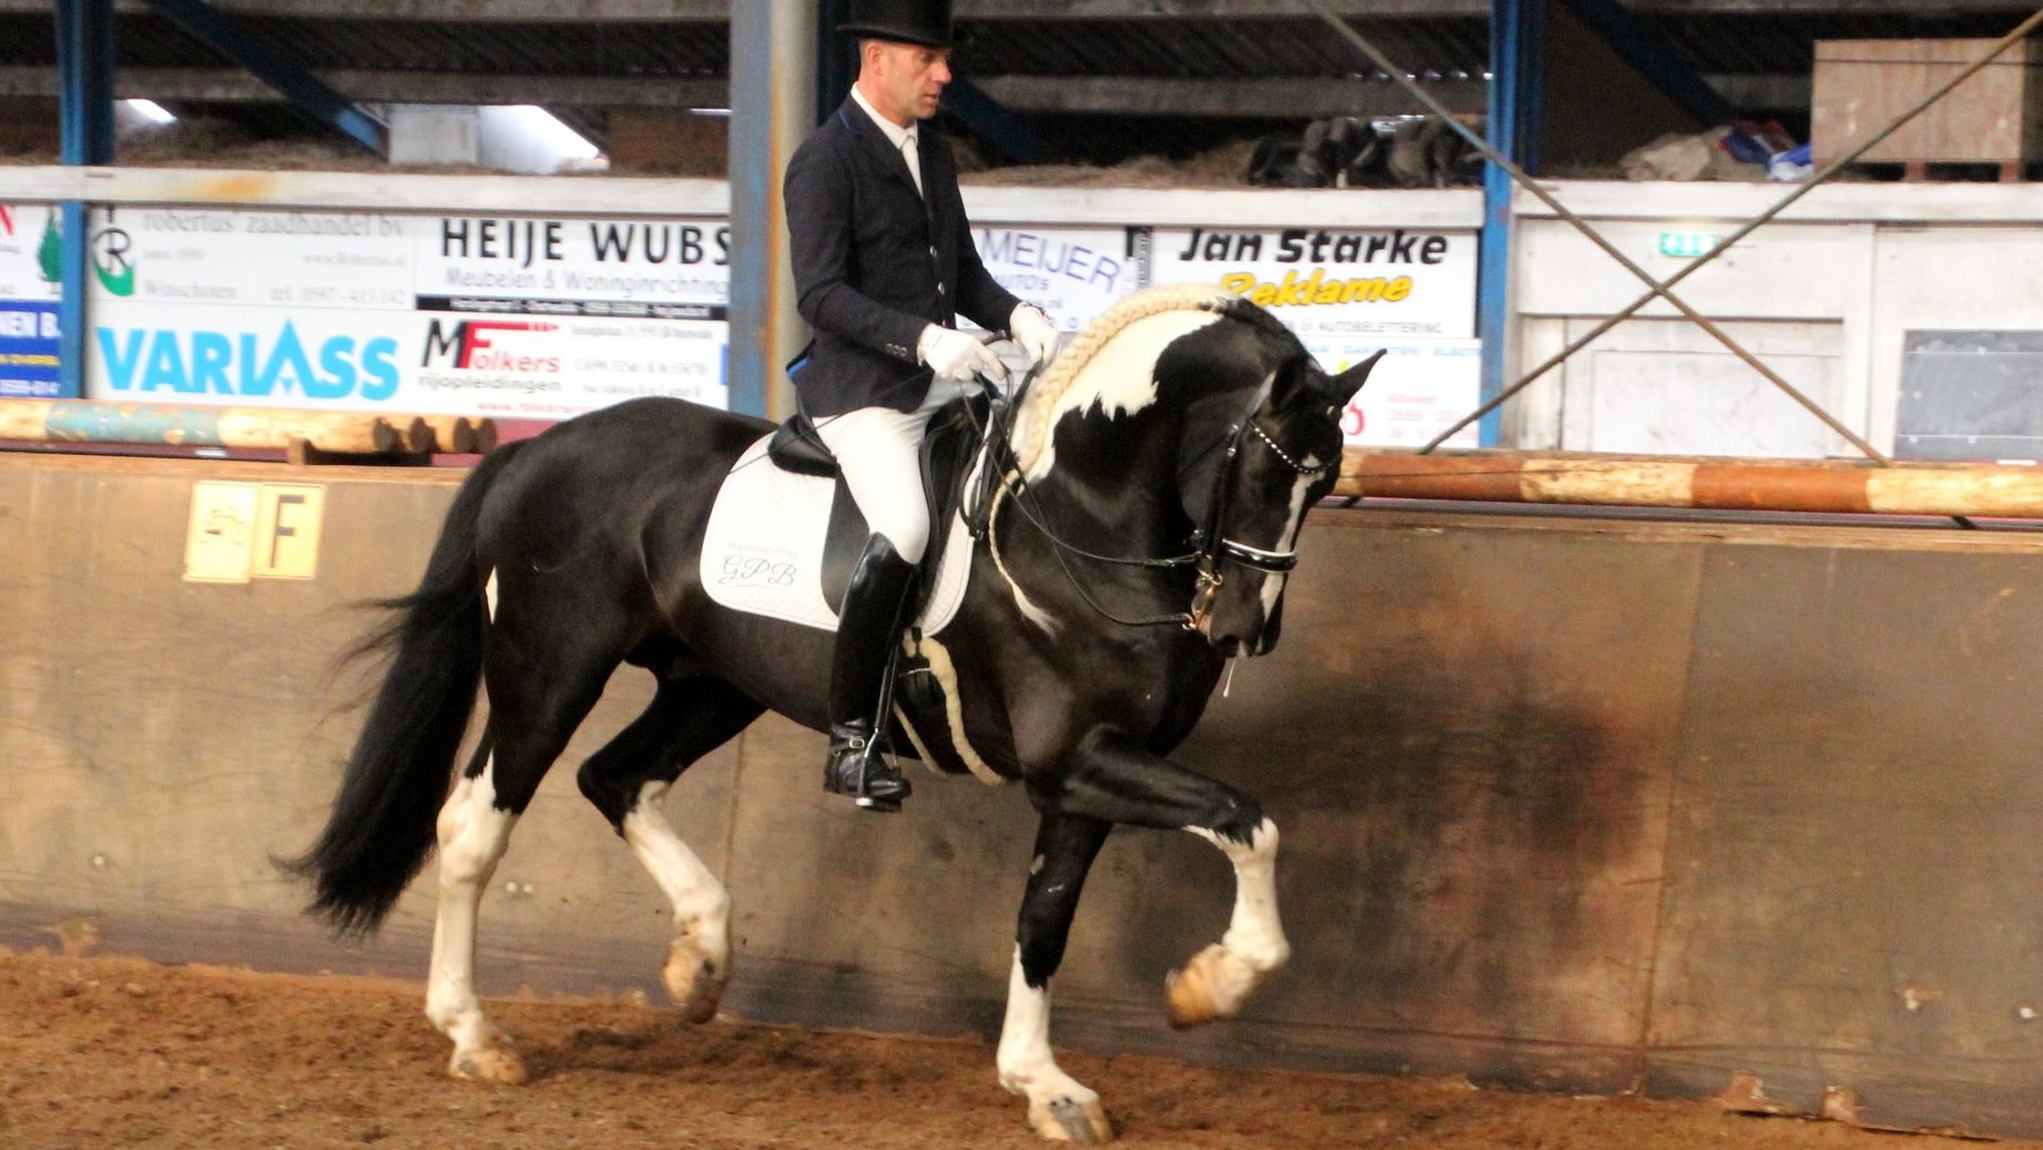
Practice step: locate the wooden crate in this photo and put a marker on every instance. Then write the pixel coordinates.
(1862, 85)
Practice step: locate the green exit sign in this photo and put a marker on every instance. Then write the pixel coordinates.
(1688, 244)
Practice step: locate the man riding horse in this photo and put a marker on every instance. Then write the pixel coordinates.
(883, 266)
(1146, 517)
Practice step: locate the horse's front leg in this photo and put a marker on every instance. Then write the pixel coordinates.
(1059, 1107)
(1115, 779)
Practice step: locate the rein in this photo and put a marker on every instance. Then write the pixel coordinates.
(1212, 549)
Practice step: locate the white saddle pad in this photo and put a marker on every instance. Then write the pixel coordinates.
(763, 551)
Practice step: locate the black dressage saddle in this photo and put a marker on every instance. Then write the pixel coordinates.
(957, 434)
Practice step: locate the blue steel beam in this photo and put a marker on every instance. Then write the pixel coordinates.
(206, 24)
(773, 105)
(1654, 58)
(1517, 74)
(85, 66)
(71, 311)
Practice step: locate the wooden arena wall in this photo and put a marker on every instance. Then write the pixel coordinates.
(1584, 806)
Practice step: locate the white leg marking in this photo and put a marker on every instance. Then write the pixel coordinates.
(1059, 1107)
(1217, 980)
(699, 960)
(489, 594)
(473, 833)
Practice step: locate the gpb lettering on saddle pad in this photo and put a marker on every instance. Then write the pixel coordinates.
(763, 551)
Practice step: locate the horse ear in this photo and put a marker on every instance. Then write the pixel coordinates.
(1342, 388)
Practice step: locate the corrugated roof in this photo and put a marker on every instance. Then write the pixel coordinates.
(1218, 49)
(1453, 46)
(1760, 42)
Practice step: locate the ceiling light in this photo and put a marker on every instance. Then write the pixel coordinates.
(152, 110)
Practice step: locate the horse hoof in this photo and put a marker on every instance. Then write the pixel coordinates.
(694, 983)
(497, 1064)
(1189, 995)
(1072, 1120)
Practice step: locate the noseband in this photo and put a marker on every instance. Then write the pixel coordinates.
(1215, 548)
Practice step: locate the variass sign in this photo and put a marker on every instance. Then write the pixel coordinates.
(267, 363)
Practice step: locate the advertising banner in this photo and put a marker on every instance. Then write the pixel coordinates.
(518, 317)
(1326, 282)
(1074, 273)
(1418, 390)
(1347, 292)
(545, 318)
(29, 295)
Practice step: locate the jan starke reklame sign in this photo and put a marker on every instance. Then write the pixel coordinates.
(1346, 292)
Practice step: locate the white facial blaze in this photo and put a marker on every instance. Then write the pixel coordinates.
(473, 834)
(1273, 585)
(1120, 379)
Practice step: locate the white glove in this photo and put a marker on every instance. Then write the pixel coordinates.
(954, 355)
(1034, 332)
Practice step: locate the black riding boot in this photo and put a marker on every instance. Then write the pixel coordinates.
(868, 631)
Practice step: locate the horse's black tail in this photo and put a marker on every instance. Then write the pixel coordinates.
(382, 825)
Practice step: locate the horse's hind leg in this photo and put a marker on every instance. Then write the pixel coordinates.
(473, 831)
(539, 693)
(689, 717)
(1115, 780)
(1059, 1107)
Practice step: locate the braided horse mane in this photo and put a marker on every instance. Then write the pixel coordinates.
(1054, 391)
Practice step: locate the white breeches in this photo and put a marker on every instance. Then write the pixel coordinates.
(879, 451)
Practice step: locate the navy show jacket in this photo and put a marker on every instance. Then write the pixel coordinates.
(875, 263)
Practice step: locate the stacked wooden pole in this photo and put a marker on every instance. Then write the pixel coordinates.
(331, 433)
(1716, 484)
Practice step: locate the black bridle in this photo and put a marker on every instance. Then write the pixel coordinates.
(1216, 548)
(1211, 550)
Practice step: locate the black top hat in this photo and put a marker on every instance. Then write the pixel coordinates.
(926, 22)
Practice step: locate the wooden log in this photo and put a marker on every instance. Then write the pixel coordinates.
(332, 431)
(451, 433)
(84, 421)
(413, 433)
(1709, 484)
(23, 418)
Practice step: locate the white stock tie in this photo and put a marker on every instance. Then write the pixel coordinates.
(913, 155)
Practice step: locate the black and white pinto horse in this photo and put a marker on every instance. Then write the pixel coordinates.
(1186, 425)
